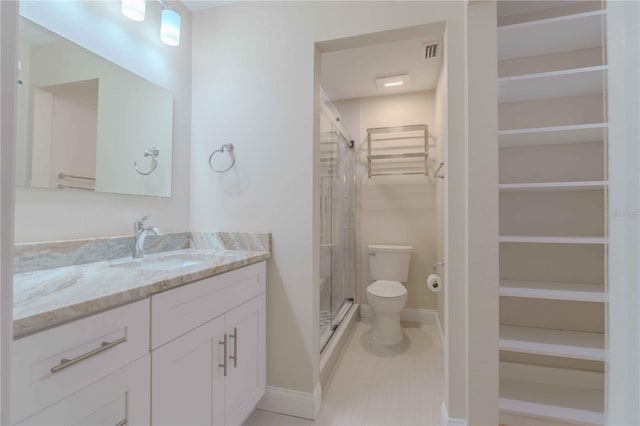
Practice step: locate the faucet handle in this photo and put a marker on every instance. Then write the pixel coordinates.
(140, 222)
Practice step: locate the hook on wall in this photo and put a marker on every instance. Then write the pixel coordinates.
(439, 176)
(225, 147)
(152, 152)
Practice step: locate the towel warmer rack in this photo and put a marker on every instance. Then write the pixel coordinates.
(398, 133)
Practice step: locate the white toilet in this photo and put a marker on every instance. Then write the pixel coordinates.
(389, 266)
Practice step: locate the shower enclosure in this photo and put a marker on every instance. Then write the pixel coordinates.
(337, 225)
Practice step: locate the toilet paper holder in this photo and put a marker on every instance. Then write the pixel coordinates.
(435, 265)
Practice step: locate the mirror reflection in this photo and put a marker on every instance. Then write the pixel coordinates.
(87, 124)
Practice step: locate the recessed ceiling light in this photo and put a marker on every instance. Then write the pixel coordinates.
(395, 81)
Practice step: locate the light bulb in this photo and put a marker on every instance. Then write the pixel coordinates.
(170, 27)
(133, 9)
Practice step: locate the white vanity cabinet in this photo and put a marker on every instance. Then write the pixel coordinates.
(213, 374)
(51, 365)
(119, 399)
(192, 355)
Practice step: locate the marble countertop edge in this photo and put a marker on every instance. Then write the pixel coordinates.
(33, 322)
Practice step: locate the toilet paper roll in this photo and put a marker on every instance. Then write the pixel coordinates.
(434, 282)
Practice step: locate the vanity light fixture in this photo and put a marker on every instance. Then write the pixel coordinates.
(393, 82)
(133, 9)
(170, 27)
(169, 23)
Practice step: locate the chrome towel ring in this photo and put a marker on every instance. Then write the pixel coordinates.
(229, 148)
(152, 152)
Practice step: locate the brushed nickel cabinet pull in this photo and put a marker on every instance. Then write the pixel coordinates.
(224, 363)
(122, 422)
(235, 347)
(64, 362)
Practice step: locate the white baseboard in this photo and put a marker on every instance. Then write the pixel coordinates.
(422, 316)
(446, 421)
(291, 402)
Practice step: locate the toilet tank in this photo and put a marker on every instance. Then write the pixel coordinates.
(388, 262)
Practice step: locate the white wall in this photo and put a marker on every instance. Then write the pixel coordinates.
(8, 76)
(395, 209)
(623, 57)
(253, 85)
(100, 27)
(483, 273)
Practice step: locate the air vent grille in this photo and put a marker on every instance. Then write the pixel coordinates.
(431, 51)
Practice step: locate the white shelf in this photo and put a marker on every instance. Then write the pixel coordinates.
(550, 401)
(551, 240)
(556, 84)
(554, 35)
(559, 343)
(580, 133)
(576, 292)
(554, 186)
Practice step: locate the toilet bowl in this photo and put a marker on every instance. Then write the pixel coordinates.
(389, 266)
(387, 299)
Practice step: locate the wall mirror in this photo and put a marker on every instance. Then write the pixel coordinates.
(87, 124)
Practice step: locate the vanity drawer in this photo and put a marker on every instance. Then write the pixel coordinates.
(178, 311)
(52, 364)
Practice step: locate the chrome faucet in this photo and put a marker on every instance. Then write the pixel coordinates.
(139, 235)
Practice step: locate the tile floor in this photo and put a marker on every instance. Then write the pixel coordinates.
(373, 385)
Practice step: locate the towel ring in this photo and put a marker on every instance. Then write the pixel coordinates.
(152, 152)
(229, 148)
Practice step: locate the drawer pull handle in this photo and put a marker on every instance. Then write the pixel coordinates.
(122, 423)
(64, 362)
(235, 347)
(224, 363)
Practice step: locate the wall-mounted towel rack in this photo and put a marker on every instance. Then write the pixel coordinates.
(66, 176)
(71, 181)
(152, 153)
(61, 186)
(225, 147)
(399, 143)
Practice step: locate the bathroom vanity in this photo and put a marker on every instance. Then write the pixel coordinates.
(175, 338)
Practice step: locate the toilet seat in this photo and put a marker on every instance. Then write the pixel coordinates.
(387, 290)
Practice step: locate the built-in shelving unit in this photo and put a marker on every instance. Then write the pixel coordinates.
(554, 84)
(553, 95)
(579, 133)
(553, 186)
(551, 240)
(560, 343)
(552, 401)
(549, 290)
(553, 35)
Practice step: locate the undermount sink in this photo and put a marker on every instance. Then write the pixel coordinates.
(164, 263)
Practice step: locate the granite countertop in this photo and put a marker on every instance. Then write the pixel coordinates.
(49, 297)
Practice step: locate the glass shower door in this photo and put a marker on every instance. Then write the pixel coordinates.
(328, 161)
(337, 227)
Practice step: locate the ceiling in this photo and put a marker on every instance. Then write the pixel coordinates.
(352, 73)
(198, 5)
(32, 35)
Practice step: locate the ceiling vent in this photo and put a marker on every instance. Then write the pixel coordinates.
(431, 50)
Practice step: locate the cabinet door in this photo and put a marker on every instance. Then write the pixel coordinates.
(188, 384)
(245, 383)
(121, 398)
